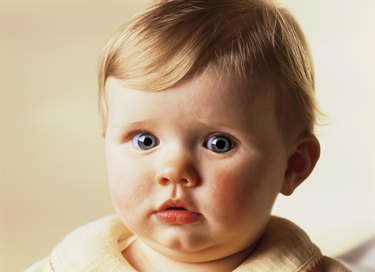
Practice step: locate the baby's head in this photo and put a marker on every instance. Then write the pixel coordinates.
(208, 112)
(256, 41)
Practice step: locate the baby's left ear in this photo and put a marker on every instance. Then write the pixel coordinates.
(301, 162)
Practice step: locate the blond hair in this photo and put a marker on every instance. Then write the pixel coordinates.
(174, 40)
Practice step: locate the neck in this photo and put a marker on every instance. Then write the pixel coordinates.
(145, 259)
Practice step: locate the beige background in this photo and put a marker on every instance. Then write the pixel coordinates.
(52, 170)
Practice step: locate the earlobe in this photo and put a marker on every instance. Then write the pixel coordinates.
(301, 162)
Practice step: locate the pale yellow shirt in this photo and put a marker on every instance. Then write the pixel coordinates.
(98, 247)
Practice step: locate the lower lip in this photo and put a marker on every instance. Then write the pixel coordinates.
(177, 217)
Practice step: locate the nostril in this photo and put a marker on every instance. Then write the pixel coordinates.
(164, 181)
(184, 181)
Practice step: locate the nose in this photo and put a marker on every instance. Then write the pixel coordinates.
(178, 167)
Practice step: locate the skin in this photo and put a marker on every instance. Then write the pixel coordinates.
(232, 191)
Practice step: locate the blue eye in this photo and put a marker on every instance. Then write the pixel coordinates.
(219, 144)
(145, 141)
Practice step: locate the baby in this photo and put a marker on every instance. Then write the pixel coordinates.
(208, 113)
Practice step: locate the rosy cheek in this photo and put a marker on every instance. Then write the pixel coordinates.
(231, 192)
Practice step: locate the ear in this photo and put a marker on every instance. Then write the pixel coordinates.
(301, 162)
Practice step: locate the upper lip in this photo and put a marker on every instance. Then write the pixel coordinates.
(175, 203)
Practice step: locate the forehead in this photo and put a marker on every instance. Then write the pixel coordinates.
(207, 98)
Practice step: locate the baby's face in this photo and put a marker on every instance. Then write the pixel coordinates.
(194, 170)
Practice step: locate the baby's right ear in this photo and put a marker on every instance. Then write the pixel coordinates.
(301, 162)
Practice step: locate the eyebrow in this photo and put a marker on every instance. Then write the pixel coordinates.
(127, 126)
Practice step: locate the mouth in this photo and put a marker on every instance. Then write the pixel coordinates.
(176, 212)
(176, 208)
(175, 204)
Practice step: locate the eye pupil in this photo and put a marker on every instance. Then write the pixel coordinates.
(220, 144)
(147, 141)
